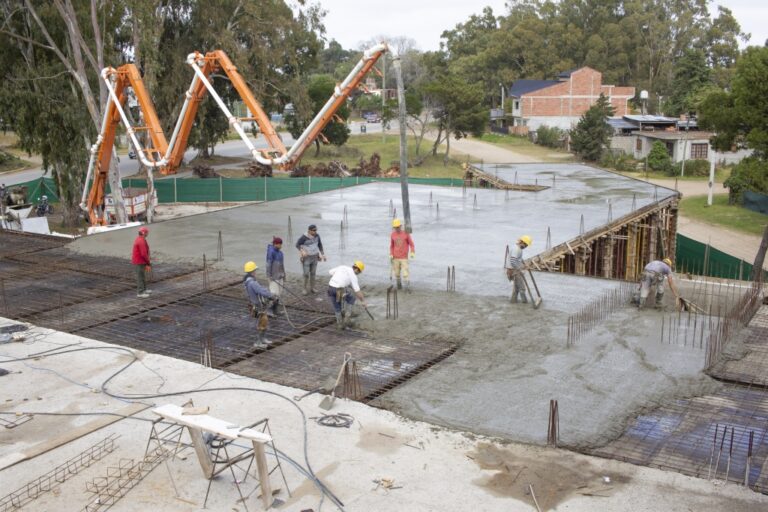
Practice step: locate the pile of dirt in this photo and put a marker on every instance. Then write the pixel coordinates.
(257, 170)
(204, 171)
(370, 168)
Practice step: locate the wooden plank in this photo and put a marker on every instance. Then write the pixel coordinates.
(208, 423)
(66, 437)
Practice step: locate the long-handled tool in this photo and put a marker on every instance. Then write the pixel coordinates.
(690, 306)
(536, 302)
(369, 313)
(327, 402)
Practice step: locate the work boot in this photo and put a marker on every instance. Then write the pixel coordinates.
(523, 298)
(261, 340)
(339, 322)
(407, 287)
(306, 286)
(312, 284)
(513, 298)
(659, 300)
(142, 295)
(399, 284)
(347, 322)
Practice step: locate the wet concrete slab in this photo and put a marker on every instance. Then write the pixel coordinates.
(466, 229)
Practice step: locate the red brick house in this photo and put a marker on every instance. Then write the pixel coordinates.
(561, 102)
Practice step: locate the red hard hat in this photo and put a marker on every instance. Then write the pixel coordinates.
(143, 230)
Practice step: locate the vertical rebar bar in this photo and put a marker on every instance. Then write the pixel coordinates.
(220, 249)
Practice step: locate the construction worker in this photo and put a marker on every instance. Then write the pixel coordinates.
(399, 244)
(275, 270)
(343, 278)
(515, 267)
(310, 251)
(653, 276)
(140, 262)
(261, 300)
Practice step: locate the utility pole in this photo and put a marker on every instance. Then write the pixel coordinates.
(383, 99)
(403, 144)
(685, 144)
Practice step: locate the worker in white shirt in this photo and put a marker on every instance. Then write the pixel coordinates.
(342, 278)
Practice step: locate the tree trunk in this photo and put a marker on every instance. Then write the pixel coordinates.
(317, 147)
(757, 266)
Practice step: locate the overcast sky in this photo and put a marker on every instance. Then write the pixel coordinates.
(352, 22)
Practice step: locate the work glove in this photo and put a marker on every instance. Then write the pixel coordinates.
(147, 268)
(391, 258)
(413, 255)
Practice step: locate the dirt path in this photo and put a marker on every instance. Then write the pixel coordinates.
(487, 152)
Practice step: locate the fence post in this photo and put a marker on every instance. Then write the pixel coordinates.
(265, 189)
(310, 184)
(175, 193)
(221, 190)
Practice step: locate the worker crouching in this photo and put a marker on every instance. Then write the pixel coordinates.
(342, 279)
(514, 267)
(261, 301)
(653, 276)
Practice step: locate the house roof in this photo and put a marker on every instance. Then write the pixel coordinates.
(651, 119)
(567, 74)
(661, 135)
(521, 87)
(618, 123)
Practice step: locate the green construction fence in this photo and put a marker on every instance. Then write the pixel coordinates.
(704, 260)
(39, 187)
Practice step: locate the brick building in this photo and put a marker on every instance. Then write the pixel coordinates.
(561, 102)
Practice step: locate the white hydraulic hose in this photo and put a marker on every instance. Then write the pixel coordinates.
(192, 59)
(106, 74)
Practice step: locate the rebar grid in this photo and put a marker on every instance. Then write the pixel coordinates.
(308, 361)
(83, 315)
(589, 316)
(14, 243)
(753, 367)
(58, 475)
(732, 322)
(176, 329)
(679, 435)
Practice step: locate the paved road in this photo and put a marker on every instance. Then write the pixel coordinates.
(230, 148)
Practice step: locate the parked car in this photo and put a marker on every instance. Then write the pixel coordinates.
(372, 117)
(132, 154)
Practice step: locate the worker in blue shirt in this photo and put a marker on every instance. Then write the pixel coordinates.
(261, 299)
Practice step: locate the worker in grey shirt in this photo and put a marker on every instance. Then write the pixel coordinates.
(653, 275)
(310, 251)
(514, 267)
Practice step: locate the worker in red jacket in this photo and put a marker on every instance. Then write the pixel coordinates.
(140, 261)
(400, 245)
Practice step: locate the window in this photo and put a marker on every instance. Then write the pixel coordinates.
(699, 151)
(517, 105)
(639, 144)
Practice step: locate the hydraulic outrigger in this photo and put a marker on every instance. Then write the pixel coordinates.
(167, 156)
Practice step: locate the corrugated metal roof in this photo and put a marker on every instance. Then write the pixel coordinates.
(521, 87)
(621, 124)
(651, 119)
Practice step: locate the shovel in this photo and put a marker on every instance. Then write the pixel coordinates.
(536, 301)
(327, 402)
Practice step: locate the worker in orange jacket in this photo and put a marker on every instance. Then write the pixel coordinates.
(400, 244)
(140, 261)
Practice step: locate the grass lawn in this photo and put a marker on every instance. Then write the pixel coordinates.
(13, 161)
(525, 147)
(363, 146)
(721, 213)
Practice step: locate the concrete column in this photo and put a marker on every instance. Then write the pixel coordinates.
(653, 236)
(672, 232)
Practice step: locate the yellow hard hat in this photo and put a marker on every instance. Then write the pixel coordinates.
(396, 223)
(359, 264)
(250, 267)
(667, 261)
(527, 240)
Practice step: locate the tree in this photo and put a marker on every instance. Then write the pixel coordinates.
(658, 157)
(593, 133)
(691, 75)
(336, 132)
(739, 116)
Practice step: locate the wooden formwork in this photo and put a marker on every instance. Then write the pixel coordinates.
(619, 249)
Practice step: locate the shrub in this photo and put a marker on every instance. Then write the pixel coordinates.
(749, 174)
(658, 158)
(692, 168)
(620, 161)
(549, 136)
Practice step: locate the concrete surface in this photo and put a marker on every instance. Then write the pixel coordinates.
(450, 232)
(432, 468)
